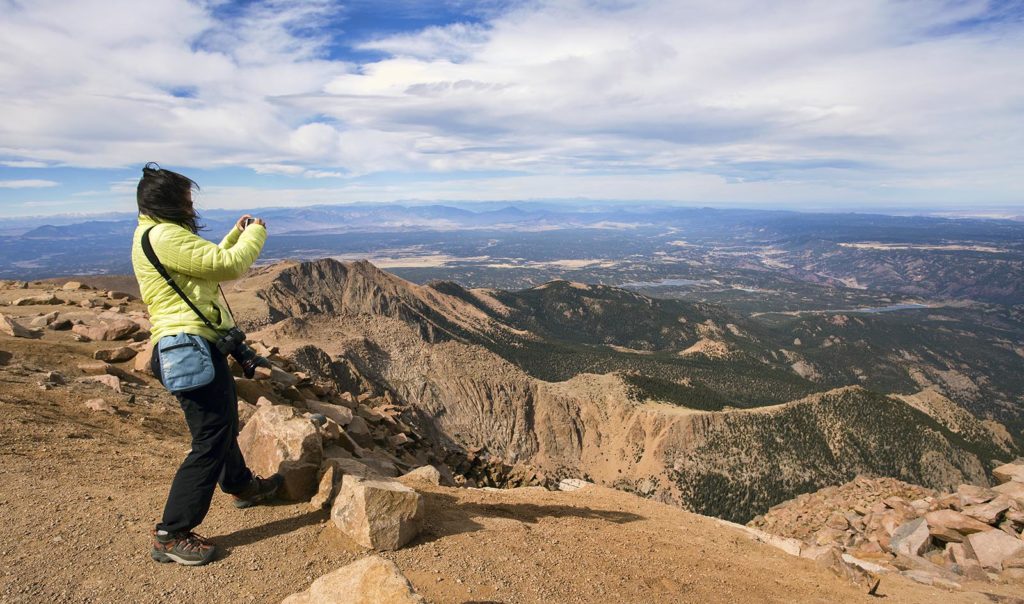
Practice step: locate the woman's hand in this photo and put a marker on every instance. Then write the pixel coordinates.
(240, 225)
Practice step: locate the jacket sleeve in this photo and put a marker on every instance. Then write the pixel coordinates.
(230, 239)
(184, 252)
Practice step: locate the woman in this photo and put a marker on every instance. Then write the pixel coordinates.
(169, 220)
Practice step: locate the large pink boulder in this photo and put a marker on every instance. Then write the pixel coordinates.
(277, 439)
(378, 513)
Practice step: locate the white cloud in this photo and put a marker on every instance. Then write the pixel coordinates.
(27, 184)
(850, 99)
(23, 164)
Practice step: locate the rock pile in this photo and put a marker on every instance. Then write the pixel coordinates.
(883, 525)
(344, 450)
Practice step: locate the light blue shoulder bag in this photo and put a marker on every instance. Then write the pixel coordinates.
(185, 362)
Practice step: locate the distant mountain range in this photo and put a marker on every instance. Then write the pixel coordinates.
(682, 402)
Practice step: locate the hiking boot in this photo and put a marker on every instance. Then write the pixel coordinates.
(185, 548)
(259, 491)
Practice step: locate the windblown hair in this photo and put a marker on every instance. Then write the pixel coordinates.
(167, 195)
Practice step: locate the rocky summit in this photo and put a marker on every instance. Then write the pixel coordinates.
(427, 459)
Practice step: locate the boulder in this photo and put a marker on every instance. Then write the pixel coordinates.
(428, 474)
(972, 495)
(144, 359)
(98, 404)
(34, 300)
(345, 466)
(377, 513)
(910, 538)
(341, 415)
(114, 295)
(73, 285)
(993, 547)
(252, 390)
(951, 519)
(245, 412)
(325, 492)
(120, 329)
(14, 329)
(60, 325)
(110, 381)
(95, 367)
(572, 484)
(359, 431)
(988, 512)
(277, 439)
(115, 355)
(282, 377)
(372, 580)
(1008, 472)
(1013, 490)
(44, 320)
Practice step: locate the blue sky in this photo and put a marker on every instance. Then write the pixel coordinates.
(796, 104)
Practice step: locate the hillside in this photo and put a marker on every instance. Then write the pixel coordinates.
(699, 438)
(82, 481)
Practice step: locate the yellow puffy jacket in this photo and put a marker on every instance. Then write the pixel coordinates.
(197, 266)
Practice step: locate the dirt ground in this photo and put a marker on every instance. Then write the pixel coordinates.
(82, 489)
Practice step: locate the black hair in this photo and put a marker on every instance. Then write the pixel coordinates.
(167, 195)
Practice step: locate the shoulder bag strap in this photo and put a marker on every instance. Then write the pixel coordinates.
(147, 248)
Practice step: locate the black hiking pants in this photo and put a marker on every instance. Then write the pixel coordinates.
(211, 413)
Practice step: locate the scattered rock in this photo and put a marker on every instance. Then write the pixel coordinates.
(110, 381)
(428, 474)
(43, 320)
(911, 538)
(341, 415)
(325, 492)
(34, 300)
(98, 404)
(572, 484)
(988, 512)
(115, 355)
(245, 412)
(120, 329)
(372, 580)
(14, 329)
(1007, 472)
(60, 325)
(95, 368)
(278, 439)
(951, 519)
(144, 360)
(377, 513)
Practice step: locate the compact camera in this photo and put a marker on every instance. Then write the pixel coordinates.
(233, 343)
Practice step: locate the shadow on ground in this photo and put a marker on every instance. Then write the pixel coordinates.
(446, 515)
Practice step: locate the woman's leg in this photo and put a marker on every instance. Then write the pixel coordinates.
(212, 417)
(235, 476)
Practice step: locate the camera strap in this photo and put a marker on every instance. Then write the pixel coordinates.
(147, 248)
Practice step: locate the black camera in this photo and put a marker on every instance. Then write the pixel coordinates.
(233, 343)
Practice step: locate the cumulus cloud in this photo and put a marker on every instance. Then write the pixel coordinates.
(871, 99)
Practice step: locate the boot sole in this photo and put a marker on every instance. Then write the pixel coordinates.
(164, 558)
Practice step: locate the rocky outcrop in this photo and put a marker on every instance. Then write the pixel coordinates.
(372, 580)
(933, 538)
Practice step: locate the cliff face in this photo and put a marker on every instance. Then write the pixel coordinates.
(423, 345)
